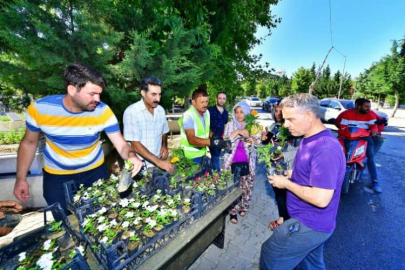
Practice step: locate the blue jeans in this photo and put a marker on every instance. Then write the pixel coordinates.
(293, 244)
(198, 160)
(372, 169)
(54, 190)
(378, 142)
(215, 154)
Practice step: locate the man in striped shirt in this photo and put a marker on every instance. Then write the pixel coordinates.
(72, 125)
(360, 116)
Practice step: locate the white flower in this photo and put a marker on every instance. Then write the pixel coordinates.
(125, 224)
(113, 177)
(279, 148)
(105, 239)
(157, 196)
(102, 227)
(131, 234)
(148, 220)
(162, 212)
(85, 195)
(45, 262)
(178, 197)
(134, 184)
(80, 249)
(145, 204)
(131, 200)
(76, 198)
(113, 204)
(81, 185)
(187, 200)
(152, 223)
(151, 208)
(136, 222)
(170, 202)
(173, 211)
(113, 223)
(101, 219)
(212, 186)
(128, 166)
(55, 249)
(85, 222)
(99, 183)
(93, 215)
(136, 204)
(102, 211)
(22, 256)
(47, 244)
(124, 202)
(129, 215)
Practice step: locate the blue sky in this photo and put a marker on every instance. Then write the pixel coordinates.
(362, 29)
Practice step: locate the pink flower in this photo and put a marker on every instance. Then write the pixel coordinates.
(197, 179)
(206, 174)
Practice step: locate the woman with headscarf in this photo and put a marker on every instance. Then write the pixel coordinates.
(242, 152)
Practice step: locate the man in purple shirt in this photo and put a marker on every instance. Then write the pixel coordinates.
(313, 191)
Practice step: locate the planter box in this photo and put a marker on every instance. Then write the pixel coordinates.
(8, 163)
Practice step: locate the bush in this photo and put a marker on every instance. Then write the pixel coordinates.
(5, 118)
(12, 137)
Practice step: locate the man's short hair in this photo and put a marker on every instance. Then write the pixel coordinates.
(221, 93)
(149, 80)
(201, 91)
(361, 101)
(78, 74)
(303, 101)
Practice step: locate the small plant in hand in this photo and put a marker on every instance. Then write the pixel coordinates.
(128, 166)
(251, 123)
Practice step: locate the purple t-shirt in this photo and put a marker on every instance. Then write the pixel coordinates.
(320, 163)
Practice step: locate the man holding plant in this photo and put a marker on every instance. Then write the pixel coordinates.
(313, 192)
(72, 125)
(145, 125)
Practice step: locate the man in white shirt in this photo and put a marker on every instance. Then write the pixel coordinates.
(146, 128)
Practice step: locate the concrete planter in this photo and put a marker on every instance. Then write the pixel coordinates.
(8, 163)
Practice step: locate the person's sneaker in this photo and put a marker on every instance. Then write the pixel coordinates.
(376, 187)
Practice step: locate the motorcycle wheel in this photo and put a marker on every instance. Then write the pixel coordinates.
(346, 183)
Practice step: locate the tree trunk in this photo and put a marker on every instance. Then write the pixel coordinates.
(187, 102)
(379, 100)
(396, 103)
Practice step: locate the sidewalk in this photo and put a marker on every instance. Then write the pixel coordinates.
(243, 241)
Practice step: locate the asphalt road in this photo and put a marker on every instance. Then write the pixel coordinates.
(370, 231)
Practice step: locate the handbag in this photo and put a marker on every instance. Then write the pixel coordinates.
(244, 168)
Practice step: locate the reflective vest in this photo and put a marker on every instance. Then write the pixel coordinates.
(192, 151)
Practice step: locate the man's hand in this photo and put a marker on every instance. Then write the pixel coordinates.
(218, 143)
(165, 165)
(164, 153)
(278, 181)
(9, 206)
(22, 190)
(137, 164)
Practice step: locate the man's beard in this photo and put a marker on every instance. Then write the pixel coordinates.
(220, 105)
(79, 104)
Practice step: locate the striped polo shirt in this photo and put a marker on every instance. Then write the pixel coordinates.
(72, 139)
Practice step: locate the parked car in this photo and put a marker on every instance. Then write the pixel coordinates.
(331, 108)
(254, 102)
(269, 103)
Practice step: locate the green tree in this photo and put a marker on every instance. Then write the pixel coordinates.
(301, 80)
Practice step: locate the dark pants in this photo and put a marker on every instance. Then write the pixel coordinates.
(293, 244)
(53, 184)
(281, 199)
(215, 154)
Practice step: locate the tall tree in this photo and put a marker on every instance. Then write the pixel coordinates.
(301, 80)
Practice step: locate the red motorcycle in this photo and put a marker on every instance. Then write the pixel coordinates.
(355, 152)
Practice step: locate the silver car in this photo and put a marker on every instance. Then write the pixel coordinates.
(331, 108)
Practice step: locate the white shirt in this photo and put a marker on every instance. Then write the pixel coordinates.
(141, 126)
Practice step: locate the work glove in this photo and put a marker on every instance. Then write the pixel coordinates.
(219, 143)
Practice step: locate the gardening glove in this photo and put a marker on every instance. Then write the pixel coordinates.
(218, 143)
